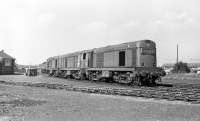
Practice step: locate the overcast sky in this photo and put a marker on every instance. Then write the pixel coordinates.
(33, 30)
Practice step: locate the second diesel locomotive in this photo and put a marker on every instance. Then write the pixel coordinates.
(132, 63)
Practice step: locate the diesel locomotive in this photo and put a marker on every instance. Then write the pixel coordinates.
(131, 63)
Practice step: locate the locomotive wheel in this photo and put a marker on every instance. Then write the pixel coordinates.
(139, 82)
(153, 83)
(68, 77)
(136, 81)
(101, 80)
(90, 78)
(83, 76)
(110, 79)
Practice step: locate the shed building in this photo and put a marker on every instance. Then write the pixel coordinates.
(7, 63)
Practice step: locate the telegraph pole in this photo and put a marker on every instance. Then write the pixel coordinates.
(177, 54)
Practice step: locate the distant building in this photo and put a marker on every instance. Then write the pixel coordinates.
(7, 63)
(22, 68)
(190, 65)
(194, 67)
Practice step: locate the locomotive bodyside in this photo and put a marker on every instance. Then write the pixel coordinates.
(126, 63)
(72, 65)
(132, 62)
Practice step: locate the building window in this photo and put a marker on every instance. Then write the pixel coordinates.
(84, 56)
(142, 63)
(8, 62)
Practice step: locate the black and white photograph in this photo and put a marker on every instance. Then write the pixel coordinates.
(99, 60)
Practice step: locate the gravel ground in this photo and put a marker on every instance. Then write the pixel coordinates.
(190, 78)
(19, 103)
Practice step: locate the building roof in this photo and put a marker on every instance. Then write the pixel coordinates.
(4, 55)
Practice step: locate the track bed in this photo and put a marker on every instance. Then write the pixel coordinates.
(187, 93)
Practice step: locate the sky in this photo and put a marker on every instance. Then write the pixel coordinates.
(33, 30)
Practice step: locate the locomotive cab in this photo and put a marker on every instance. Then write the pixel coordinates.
(146, 63)
(146, 54)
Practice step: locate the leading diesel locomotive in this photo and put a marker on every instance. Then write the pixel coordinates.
(131, 63)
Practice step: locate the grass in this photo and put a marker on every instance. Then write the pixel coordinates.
(190, 78)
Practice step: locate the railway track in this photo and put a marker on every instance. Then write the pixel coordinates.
(186, 93)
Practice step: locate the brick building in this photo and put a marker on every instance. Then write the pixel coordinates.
(7, 63)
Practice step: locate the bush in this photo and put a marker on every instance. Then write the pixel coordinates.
(181, 67)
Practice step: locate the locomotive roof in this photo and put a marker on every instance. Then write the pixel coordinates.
(107, 48)
(73, 54)
(121, 46)
(115, 47)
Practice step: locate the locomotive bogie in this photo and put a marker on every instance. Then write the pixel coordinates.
(94, 75)
(122, 77)
(106, 74)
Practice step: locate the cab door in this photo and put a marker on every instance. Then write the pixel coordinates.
(122, 56)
